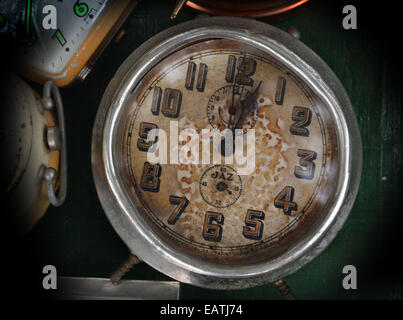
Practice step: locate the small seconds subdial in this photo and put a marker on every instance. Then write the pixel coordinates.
(220, 186)
(220, 105)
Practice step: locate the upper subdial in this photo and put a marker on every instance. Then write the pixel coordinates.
(225, 109)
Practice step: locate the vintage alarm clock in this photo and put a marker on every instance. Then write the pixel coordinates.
(65, 51)
(210, 223)
(33, 144)
(244, 8)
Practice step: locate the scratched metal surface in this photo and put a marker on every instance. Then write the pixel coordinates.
(78, 239)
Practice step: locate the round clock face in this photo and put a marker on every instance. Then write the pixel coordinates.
(226, 154)
(208, 208)
(51, 49)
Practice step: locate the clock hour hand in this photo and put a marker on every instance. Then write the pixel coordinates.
(235, 102)
(248, 106)
(235, 99)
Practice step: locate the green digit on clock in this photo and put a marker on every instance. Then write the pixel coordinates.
(80, 9)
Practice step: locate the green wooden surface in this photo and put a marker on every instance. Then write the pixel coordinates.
(78, 239)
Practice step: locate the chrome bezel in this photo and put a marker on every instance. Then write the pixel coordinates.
(125, 217)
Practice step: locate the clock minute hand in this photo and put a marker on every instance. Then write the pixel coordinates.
(249, 101)
(233, 108)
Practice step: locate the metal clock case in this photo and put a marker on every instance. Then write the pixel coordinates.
(247, 8)
(33, 144)
(69, 52)
(182, 233)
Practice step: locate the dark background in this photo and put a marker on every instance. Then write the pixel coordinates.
(78, 239)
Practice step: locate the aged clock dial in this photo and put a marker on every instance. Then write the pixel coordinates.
(296, 153)
(219, 225)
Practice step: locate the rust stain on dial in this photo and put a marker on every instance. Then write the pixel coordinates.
(262, 214)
